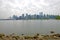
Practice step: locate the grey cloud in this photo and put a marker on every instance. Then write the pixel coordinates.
(5, 9)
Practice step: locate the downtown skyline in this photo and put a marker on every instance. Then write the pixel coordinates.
(27, 16)
(19, 7)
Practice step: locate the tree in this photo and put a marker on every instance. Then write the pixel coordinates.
(57, 17)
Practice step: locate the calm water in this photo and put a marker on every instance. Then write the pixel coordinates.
(29, 26)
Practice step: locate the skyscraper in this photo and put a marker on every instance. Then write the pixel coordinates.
(40, 14)
(22, 16)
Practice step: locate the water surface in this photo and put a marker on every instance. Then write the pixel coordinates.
(29, 26)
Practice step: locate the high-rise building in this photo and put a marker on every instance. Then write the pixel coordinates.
(14, 17)
(22, 16)
(26, 17)
(40, 14)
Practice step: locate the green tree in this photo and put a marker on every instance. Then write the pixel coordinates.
(57, 17)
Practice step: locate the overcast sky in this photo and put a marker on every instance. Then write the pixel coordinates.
(17, 7)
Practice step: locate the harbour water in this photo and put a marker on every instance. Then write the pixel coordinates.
(29, 26)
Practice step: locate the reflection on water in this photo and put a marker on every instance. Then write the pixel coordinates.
(29, 26)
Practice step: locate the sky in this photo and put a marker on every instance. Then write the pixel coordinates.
(18, 7)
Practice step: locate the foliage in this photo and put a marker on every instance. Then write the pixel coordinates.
(57, 17)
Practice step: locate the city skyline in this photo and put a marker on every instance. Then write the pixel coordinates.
(18, 7)
(26, 16)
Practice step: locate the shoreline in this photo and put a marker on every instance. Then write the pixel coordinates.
(37, 36)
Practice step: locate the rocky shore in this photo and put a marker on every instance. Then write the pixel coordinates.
(52, 36)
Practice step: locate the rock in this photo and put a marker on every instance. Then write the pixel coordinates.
(52, 32)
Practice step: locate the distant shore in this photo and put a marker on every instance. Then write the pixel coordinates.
(29, 19)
